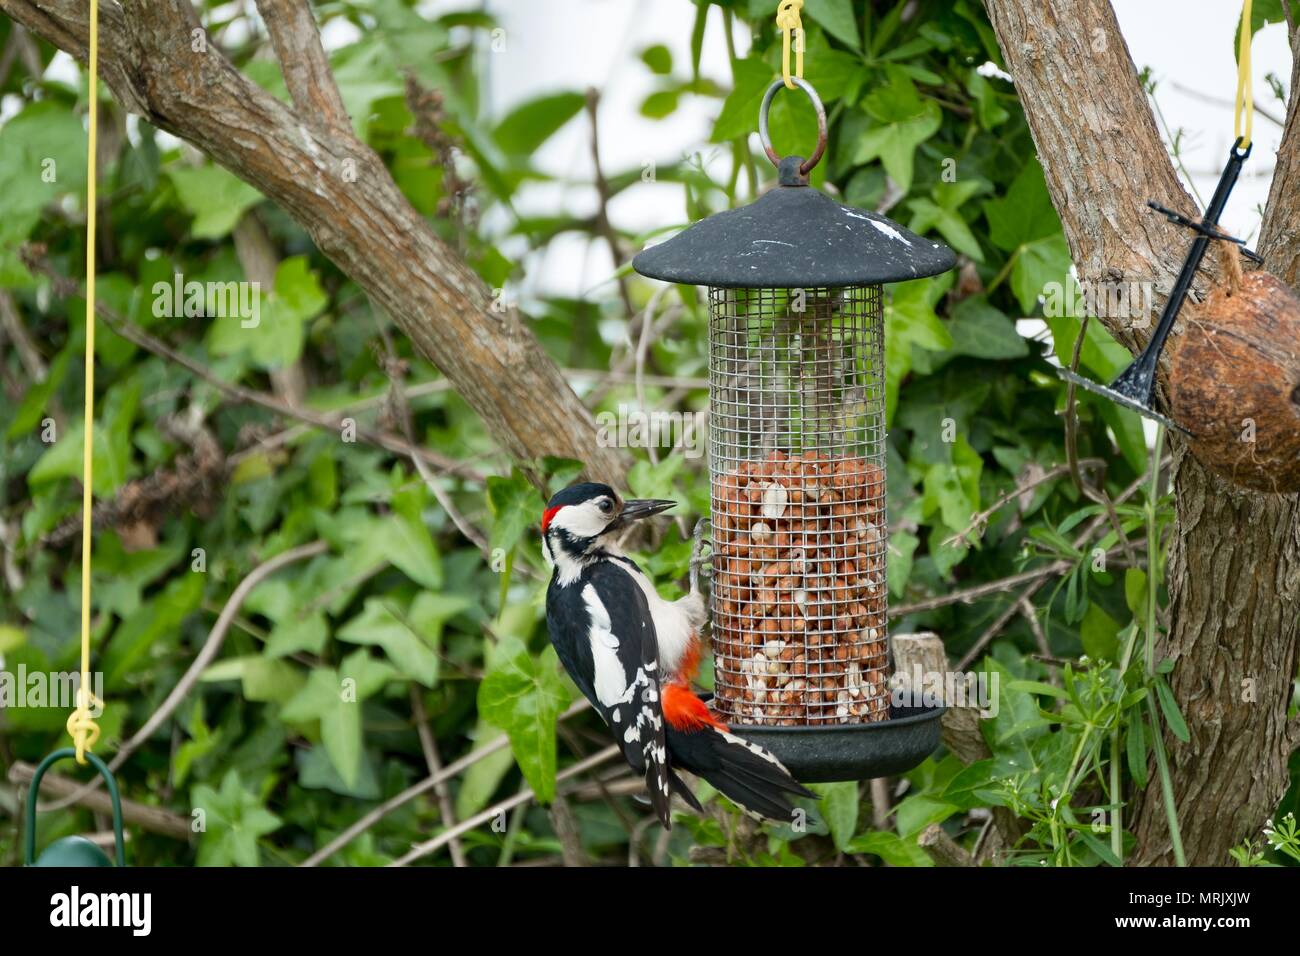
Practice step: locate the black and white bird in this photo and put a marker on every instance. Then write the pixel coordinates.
(634, 655)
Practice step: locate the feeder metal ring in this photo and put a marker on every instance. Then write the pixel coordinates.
(765, 136)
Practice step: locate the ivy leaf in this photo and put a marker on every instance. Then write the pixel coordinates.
(928, 214)
(1024, 223)
(890, 847)
(274, 334)
(739, 112)
(980, 330)
(1024, 212)
(295, 634)
(902, 546)
(215, 198)
(42, 155)
(483, 778)
(911, 305)
(906, 121)
(407, 541)
(1039, 263)
(234, 820)
(989, 111)
(380, 625)
(324, 699)
(532, 123)
(658, 58)
(953, 489)
(646, 480)
(836, 18)
(110, 446)
(367, 674)
(515, 506)
(910, 320)
(1100, 353)
(838, 805)
(524, 696)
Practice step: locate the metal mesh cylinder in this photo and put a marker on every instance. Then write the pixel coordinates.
(797, 462)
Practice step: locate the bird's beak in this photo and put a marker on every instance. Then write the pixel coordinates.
(639, 508)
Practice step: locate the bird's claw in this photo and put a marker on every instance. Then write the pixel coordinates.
(698, 556)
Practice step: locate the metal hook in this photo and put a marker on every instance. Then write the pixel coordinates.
(764, 133)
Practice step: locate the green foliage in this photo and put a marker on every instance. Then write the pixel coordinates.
(313, 710)
(523, 696)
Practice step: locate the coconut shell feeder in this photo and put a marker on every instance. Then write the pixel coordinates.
(797, 467)
(1234, 372)
(1237, 369)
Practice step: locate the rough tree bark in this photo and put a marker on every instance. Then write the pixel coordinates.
(1234, 568)
(307, 159)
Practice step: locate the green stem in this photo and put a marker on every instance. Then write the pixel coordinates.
(1117, 815)
(1153, 556)
(1006, 271)
(504, 593)
(1153, 588)
(1166, 784)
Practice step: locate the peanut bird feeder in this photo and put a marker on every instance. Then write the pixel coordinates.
(797, 465)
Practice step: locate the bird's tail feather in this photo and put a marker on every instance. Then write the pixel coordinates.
(744, 772)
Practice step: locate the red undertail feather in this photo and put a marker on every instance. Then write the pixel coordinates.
(686, 712)
(690, 665)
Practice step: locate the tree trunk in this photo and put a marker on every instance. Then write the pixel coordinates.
(160, 65)
(1234, 568)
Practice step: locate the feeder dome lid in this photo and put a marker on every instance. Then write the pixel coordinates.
(794, 237)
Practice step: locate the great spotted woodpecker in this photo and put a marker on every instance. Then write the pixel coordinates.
(634, 655)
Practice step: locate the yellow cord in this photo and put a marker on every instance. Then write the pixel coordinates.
(1245, 102)
(791, 27)
(81, 724)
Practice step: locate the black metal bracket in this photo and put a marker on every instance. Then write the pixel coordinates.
(1135, 386)
(1199, 227)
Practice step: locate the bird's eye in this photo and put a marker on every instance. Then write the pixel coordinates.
(606, 505)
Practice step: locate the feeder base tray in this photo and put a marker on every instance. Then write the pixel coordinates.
(851, 751)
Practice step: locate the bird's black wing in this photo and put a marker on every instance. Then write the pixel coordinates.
(605, 637)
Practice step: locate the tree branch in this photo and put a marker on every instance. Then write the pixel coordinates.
(341, 193)
(1234, 596)
(1097, 140)
(306, 69)
(1279, 241)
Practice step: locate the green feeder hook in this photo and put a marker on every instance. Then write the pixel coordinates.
(74, 850)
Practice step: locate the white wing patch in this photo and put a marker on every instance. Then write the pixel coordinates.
(610, 678)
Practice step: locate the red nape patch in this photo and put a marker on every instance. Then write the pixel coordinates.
(684, 711)
(547, 515)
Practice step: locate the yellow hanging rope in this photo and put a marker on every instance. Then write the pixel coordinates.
(1245, 102)
(791, 27)
(81, 724)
